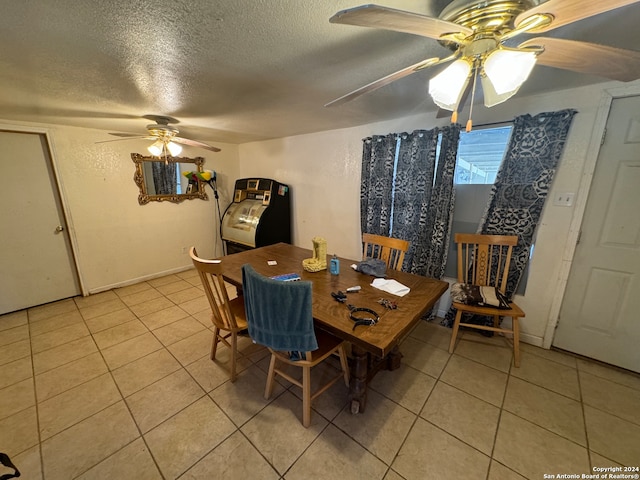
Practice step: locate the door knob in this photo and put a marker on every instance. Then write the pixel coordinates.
(59, 229)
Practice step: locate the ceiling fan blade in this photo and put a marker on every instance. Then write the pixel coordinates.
(589, 58)
(127, 137)
(194, 143)
(569, 11)
(370, 87)
(118, 134)
(376, 16)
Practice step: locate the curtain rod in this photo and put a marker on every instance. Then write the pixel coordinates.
(505, 122)
(490, 124)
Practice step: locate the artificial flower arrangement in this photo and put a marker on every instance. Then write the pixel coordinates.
(207, 176)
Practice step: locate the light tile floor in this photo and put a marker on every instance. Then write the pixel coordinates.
(119, 385)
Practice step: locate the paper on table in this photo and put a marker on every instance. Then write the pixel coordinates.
(391, 286)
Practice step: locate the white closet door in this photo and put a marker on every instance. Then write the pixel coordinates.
(36, 262)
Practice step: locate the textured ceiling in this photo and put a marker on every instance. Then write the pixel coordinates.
(231, 71)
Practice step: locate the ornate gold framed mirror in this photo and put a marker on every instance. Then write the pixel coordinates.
(163, 180)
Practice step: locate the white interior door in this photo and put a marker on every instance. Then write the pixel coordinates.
(600, 314)
(36, 262)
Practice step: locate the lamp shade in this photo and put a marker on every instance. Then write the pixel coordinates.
(508, 69)
(156, 148)
(491, 98)
(174, 148)
(447, 87)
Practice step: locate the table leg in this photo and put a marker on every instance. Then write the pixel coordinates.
(394, 359)
(358, 381)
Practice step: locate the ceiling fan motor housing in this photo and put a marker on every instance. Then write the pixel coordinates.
(162, 131)
(495, 16)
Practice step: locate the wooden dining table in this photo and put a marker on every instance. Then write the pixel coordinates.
(373, 346)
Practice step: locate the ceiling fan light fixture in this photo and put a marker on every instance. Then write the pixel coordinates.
(508, 69)
(156, 148)
(447, 87)
(491, 98)
(174, 149)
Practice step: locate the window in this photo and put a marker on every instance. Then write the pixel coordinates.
(480, 153)
(179, 179)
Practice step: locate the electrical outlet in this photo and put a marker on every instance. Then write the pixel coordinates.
(563, 199)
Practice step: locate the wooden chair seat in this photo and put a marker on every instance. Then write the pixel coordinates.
(327, 346)
(489, 311)
(237, 308)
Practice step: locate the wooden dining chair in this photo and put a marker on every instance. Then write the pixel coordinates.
(228, 316)
(391, 250)
(483, 261)
(280, 317)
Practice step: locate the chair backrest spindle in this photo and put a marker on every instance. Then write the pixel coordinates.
(390, 250)
(485, 259)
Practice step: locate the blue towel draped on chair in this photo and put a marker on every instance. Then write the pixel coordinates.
(279, 314)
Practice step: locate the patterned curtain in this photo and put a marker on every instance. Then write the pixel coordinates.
(443, 198)
(164, 177)
(422, 208)
(412, 191)
(376, 184)
(523, 181)
(521, 187)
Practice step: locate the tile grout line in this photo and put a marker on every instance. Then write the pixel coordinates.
(330, 421)
(239, 428)
(35, 398)
(123, 398)
(98, 350)
(417, 416)
(206, 394)
(501, 408)
(584, 419)
(498, 422)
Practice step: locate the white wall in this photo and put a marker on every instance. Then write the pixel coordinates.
(116, 240)
(324, 173)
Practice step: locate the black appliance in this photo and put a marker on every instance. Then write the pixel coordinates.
(259, 215)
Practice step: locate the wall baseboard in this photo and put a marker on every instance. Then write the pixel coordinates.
(133, 281)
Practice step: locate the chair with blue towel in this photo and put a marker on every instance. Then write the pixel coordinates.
(279, 315)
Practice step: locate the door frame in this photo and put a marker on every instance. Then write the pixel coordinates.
(584, 189)
(61, 192)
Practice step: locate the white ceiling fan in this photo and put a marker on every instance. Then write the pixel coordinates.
(480, 33)
(165, 137)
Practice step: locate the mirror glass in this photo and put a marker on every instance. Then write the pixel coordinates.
(161, 179)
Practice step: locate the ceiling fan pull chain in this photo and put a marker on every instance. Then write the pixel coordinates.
(473, 95)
